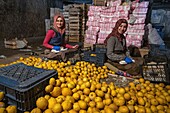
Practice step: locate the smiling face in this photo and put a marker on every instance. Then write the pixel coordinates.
(122, 28)
(59, 22)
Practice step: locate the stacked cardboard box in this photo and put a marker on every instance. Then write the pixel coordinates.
(102, 19)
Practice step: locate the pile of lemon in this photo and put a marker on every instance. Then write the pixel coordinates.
(78, 90)
(4, 108)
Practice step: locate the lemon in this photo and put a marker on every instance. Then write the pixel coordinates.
(36, 110)
(127, 96)
(123, 109)
(47, 97)
(76, 96)
(3, 110)
(49, 88)
(108, 101)
(141, 109)
(73, 111)
(121, 91)
(76, 106)
(2, 105)
(108, 110)
(70, 99)
(56, 92)
(51, 102)
(99, 105)
(24, 112)
(67, 92)
(57, 108)
(141, 80)
(82, 104)
(113, 106)
(67, 105)
(52, 81)
(42, 103)
(11, 109)
(131, 108)
(48, 111)
(1, 95)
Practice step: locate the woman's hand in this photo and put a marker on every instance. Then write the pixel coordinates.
(75, 47)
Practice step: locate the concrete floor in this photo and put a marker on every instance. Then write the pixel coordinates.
(13, 54)
(35, 43)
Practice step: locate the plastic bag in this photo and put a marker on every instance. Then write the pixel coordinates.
(153, 36)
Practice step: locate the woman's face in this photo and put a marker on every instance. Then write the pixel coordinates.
(122, 28)
(59, 22)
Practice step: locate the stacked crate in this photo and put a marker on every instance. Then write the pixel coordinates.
(84, 18)
(23, 85)
(75, 23)
(99, 2)
(76, 17)
(66, 16)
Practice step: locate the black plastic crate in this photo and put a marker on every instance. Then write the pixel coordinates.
(157, 73)
(93, 57)
(99, 48)
(157, 59)
(23, 84)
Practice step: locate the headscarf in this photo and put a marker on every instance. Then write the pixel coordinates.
(62, 29)
(115, 30)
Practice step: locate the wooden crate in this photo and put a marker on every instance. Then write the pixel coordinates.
(99, 2)
(87, 45)
(74, 39)
(74, 26)
(76, 21)
(143, 52)
(74, 32)
(82, 6)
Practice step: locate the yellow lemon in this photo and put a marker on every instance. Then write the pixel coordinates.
(49, 88)
(1, 95)
(42, 103)
(57, 108)
(67, 92)
(3, 110)
(82, 104)
(48, 111)
(36, 110)
(67, 105)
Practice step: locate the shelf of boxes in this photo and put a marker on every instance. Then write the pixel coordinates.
(102, 19)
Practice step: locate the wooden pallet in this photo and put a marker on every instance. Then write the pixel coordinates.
(75, 21)
(75, 32)
(74, 9)
(75, 13)
(82, 6)
(74, 39)
(75, 18)
(74, 28)
(99, 2)
(85, 45)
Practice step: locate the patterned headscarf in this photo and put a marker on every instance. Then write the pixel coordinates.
(115, 30)
(62, 29)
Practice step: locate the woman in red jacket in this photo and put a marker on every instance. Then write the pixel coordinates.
(55, 39)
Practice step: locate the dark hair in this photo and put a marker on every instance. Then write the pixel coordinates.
(115, 30)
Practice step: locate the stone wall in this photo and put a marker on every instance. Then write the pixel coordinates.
(24, 18)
